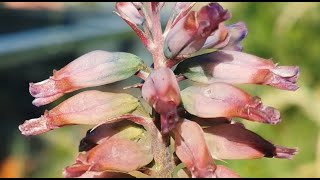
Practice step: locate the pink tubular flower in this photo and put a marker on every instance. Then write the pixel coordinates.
(239, 68)
(193, 151)
(176, 133)
(88, 107)
(112, 155)
(92, 69)
(233, 141)
(162, 92)
(190, 33)
(191, 148)
(100, 157)
(225, 100)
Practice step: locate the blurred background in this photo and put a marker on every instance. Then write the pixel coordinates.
(36, 38)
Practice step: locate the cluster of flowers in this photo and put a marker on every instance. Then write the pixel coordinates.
(187, 130)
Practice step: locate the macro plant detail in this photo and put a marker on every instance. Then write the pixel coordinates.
(188, 129)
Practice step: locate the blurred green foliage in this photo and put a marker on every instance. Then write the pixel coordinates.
(286, 32)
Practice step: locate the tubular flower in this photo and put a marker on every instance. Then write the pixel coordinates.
(92, 69)
(161, 91)
(198, 121)
(234, 141)
(225, 100)
(189, 34)
(239, 68)
(112, 155)
(192, 149)
(88, 107)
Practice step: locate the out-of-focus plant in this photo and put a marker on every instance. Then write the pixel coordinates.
(187, 130)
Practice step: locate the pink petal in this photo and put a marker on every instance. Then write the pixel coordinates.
(225, 100)
(46, 100)
(233, 141)
(192, 149)
(88, 107)
(219, 38)
(37, 126)
(238, 32)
